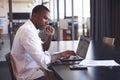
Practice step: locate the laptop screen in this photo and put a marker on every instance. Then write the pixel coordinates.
(82, 47)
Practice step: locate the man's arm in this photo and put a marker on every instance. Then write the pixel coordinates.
(47, 43)
(49, 31)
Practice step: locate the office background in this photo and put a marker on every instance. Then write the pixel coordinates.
(104, 20)
(104, 16)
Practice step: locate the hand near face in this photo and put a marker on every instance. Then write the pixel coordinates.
(49, 30)
(67, 53)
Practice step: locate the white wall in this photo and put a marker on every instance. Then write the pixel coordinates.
(22, 7)
(16, 7)
(3, 16)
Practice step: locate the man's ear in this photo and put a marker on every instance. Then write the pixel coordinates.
(35, 16)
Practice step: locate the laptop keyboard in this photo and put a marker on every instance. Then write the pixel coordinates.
(74, 57)
(66, 62)
(71, 58)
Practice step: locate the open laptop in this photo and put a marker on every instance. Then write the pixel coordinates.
(81, 50)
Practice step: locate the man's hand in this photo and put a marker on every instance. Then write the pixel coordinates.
(46, 36)
(49, 30)
(64, 54)
(67, 53)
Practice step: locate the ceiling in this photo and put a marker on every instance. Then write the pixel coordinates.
(23, 1)
(27, 1)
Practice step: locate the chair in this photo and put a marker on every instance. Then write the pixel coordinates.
(49, 75)
(109, 40)
(10, 62)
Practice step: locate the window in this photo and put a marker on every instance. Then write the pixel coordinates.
(80, 9)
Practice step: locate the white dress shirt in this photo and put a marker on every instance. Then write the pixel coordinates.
(27, 51)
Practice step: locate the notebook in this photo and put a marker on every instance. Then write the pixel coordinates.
(81, 50)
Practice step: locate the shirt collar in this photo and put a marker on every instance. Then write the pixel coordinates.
(32, 25)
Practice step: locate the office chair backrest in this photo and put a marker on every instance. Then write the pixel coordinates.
(11, 65)
(109, 40)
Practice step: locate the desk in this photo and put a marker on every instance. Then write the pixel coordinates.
(97, 51)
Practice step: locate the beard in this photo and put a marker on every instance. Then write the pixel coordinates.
(41, 27)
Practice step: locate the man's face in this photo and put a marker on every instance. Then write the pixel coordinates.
(42, 19)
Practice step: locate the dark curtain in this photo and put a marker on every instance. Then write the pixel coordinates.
(100, 19)
(115, 21)
(105, 20)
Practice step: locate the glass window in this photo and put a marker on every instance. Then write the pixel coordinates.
(61, 9)
(81, 11)
(68, 8)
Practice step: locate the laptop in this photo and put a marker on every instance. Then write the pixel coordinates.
(80, 52)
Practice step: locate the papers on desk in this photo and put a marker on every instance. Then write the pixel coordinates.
(98, 63)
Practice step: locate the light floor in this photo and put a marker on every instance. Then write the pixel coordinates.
(5, 47)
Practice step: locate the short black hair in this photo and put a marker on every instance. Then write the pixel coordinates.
(39, 8)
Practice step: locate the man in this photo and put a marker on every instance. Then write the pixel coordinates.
(28, 51)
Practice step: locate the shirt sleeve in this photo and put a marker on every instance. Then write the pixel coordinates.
(33, 46)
